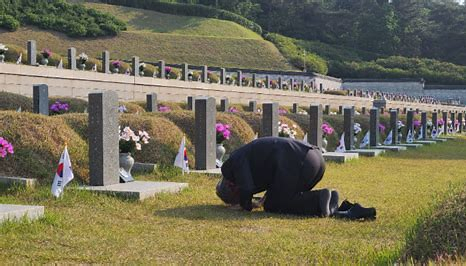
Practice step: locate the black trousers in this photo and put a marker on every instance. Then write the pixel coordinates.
(303, 201)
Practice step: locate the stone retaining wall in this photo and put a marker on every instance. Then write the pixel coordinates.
(62, 82)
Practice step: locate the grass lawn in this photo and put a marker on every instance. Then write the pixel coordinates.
(195, 227)
(156, 36)
(151, 21)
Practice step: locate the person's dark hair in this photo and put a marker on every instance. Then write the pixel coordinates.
(228, 192)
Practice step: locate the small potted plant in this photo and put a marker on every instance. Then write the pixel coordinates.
(59, 108)
(5, 148)
(116, 66)
(82, 59)
(46, 54)
(3, 50)
(130, 142)
(286, 131)
(222, 133)
(327, 130)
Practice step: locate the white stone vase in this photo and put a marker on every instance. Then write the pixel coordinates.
(116, 70)
(324, 145)
(126, 162)
(83, 66)
(44, 61)
(2, 58)
(220, 152)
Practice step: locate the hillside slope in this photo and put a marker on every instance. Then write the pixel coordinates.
(176, 39)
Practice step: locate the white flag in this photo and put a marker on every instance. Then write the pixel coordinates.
(305, 138)
(365, 141)
(389, 139)
(128, 72)
(20, 58)
(60, 64)
(94, 68)
(63, 175)
(19, 110)
(440, 131)
(256, 136)
(341, 148)
(181, 159)
(421, 132)
(409, 137)
(434, 133)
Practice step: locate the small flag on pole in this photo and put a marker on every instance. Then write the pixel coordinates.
(365, 141)
(409, 137)
(256, 136)
(341, 147)
(63, 175)
(60, 64)
(389, 139)
(94, 68)
(421, 132)
(305, 138)
(20, 58)
(434, 133)
(181, 159)
(19, 110)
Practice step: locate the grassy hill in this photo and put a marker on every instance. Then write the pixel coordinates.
(175, 39)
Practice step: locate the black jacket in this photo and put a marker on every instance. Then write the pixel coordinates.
(269, 164)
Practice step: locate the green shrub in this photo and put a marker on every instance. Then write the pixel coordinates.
(72, 19)
(12, 101)
(38, 142)
(295, 54)
(8, 22)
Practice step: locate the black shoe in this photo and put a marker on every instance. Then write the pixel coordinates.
(345, 206)
(358, 212)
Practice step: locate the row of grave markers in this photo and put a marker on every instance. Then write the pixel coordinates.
(103, 120)
(185, 70)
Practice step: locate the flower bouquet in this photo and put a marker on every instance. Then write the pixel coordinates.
(222, 133)
(3, 49)
(46, 54)
(130, 141)
(327, 130)
(116, 66)
(59, 108)
(5, 148)
(164, 109)
(82, 59)
(285, 131)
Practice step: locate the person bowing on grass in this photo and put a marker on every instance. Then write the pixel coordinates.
(286, 170)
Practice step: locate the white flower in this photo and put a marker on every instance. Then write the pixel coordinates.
(83, 56)
(138, 146)
(3, 47)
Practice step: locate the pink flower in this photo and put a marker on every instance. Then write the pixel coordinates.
(327, 129)
(417, 123)
(5, 148)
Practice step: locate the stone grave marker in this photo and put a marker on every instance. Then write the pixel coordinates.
(151, 103)
(40, 99)
(205, 135)
(269, 120)
(103, 139)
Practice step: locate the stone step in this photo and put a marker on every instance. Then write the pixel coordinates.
(17, 212)
(410, 145)
(340, 157)
(391, 148)
(368, 152)
(138, 190)
(19, 181)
